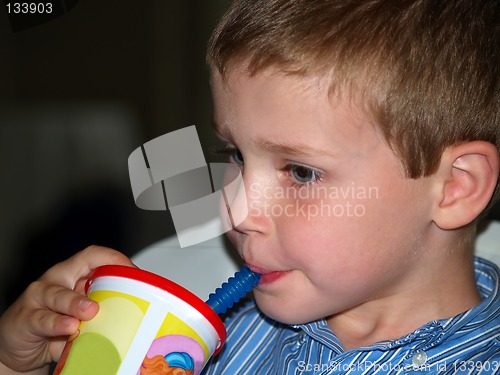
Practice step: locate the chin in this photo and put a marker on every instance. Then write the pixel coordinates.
(285, 312)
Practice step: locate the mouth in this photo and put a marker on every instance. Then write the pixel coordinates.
(268, 276)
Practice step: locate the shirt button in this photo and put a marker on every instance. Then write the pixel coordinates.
(419, 358)
(301, 339)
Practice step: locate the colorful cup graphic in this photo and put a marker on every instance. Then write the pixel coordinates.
(146, 325)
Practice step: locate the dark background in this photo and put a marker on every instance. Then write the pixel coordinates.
(77, 95)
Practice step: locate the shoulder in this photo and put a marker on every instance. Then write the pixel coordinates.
(470, 342)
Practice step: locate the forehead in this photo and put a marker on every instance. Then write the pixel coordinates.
(236, 73)
(270, 96)
(289, 110)
(275, 92)
(269, 89)
(322, 85)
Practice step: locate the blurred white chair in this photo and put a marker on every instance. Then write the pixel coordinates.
(204, 267)
(488, 242)
(199, 268)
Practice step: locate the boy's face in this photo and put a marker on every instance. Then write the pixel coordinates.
(333, 222)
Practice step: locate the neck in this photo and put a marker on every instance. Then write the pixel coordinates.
(441, 289)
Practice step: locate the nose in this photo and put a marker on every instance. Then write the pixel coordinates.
(247, 205)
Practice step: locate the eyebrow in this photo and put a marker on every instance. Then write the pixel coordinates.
(296, 149)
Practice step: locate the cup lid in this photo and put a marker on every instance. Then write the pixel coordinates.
(166, 285)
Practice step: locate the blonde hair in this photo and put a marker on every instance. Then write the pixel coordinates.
(427, 70)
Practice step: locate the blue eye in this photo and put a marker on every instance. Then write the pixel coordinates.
(236, 157)
(302, 175)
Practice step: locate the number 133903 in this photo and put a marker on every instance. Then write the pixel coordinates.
(29, 8)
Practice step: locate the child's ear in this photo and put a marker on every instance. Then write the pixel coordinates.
(466, 177)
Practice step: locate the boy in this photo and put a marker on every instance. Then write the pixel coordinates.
(367, 133)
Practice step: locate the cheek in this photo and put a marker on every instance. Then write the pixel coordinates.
(308, 233)
(338, 236)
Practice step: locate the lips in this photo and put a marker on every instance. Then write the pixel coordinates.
(267, 275)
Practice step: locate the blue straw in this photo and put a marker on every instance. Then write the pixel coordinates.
(234, 289)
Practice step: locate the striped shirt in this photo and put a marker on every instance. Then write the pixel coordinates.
(468, 343)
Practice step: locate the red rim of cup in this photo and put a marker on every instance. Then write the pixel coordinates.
(165, 285)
